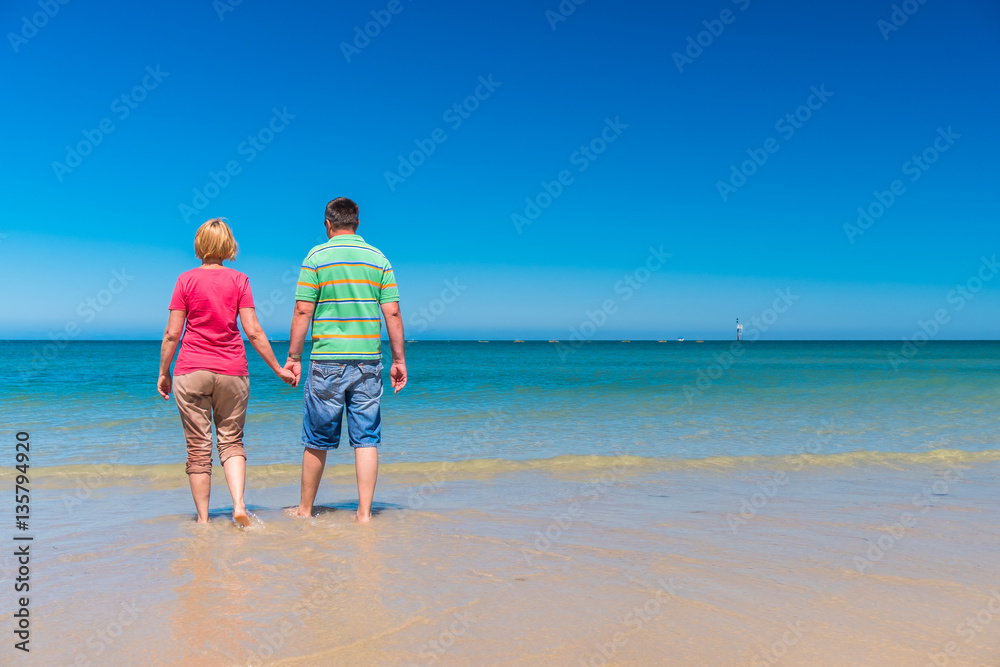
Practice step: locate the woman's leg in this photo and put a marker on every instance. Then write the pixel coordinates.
(229, 407)
(201, 489)
(236, 470)
(193, 394)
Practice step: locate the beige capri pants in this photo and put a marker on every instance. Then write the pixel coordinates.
(203, 397)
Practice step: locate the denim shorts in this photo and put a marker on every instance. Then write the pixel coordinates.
(330, 387)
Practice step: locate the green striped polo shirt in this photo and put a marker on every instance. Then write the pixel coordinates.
(347, 279)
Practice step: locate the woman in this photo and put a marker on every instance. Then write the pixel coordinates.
(211, 372)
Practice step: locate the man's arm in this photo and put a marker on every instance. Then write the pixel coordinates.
(301, 320)
(171, 336)
(394, 327)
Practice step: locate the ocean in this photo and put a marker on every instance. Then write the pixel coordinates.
(538, 503)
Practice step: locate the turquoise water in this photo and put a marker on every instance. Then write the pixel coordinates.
(96, 401)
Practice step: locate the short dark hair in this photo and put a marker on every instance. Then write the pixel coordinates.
(342, 213)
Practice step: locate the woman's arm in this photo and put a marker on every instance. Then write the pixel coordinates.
(255, 334)
(172, 336)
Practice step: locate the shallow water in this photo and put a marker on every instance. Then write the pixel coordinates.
(809, 506)
(674, 566)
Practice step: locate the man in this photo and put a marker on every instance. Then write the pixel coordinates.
(342, 285)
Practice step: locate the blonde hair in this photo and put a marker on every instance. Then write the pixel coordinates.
(214, 240)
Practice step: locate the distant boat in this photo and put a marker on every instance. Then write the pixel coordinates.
(699, 341)
(484, 341)
(518, 341)
(661, 341)
(626, 341)
(411, 341)
(680, 340)
(553, 341)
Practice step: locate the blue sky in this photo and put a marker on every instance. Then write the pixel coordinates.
(641, 144)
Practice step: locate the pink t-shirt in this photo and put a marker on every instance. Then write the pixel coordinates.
(212, 341)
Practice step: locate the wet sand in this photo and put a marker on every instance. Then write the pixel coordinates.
(585, 563)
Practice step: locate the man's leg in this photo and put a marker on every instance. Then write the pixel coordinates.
(364, 421)
(313, 463)
(366, 467)
(322, 417)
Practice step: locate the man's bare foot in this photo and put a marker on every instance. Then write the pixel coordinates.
(206, 520)
(298, 512)
(363, 519)
(240, 517)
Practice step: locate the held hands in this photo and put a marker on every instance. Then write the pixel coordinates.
(292, 373)
(294, 369)
(287, 376)
(397, 375)
(163, 385)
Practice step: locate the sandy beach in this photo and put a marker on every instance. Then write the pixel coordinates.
(579, 561)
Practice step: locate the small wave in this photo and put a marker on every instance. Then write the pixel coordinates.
(164, 476)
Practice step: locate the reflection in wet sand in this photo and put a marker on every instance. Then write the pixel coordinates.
(213, 577)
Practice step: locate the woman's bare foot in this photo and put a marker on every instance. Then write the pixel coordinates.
(240, 517)
(363, 519)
